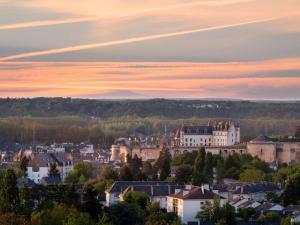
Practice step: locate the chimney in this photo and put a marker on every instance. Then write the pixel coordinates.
(176, 191)
(202, 189)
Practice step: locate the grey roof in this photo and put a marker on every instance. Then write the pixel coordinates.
(43, 159)
(265, 207)
(195, 193)
(261, 139)
(120, 186)
(257, 187)
(155, 190)
(197, 129)
(292, 208)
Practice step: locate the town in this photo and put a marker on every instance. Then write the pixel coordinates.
(195, 174)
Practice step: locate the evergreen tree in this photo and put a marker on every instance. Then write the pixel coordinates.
(25, 202)
(164, 163)
(125, 173)
(23, 166)
(135, 165)
(208, 168)
(198, 173)
(9, 192)
(53, 171)
(220, 170)
(71, 197)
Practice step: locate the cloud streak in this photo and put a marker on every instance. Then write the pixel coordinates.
(129, 40)
(43, 23)
(46, 23)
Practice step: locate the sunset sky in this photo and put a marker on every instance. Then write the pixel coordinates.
(241, 49)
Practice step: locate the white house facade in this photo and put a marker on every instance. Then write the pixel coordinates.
(188, 202)
(40, 164)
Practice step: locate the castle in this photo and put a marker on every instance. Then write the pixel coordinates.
(222, 133)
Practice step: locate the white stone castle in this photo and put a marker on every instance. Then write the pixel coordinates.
(218, 134)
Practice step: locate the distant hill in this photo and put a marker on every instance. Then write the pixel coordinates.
(45, 107)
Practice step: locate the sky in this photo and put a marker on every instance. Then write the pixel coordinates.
(237, 49)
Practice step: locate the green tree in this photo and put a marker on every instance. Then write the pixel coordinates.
(252, 175)
(71, 197)
(125, 173)
(53, 171)
(13, 219)
(147, 171)
(26, 203)
(81, 172)
(208, 168)
(109, 173)
(220, 170)
(291, 194)
(198, 174)
(137, 198)
(23, 166)
(245, 213)
(124, 213)
(183, 174)
(270, 217)
(9, 192)
(78, 218)
(286, 221)
(164, 163)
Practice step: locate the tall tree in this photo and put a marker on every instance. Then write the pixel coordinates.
(23, 165)
(135, 165)
(71, 197)
(220, 170)
(125, 173)
(164, 163)
(208, 168)
(183, 174)
(291, 193)
(109, 173)
(9, 192)
(198, 173)
(53, 171)
(26, 202)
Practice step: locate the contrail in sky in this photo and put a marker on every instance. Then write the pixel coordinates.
(128, 41)
(43, 23)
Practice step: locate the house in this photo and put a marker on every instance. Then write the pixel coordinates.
(156, 190)
(245, 203)
(255, 191)
(295, 218)
(269, 207)
(291, 210)
(40, 163)
(186, 203)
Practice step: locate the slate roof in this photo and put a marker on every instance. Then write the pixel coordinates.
(257, 187)
(194, 193)
(120, 186)
(43, 159)
(261, 139)
(154, 190)
(197, 129)
(292, 208)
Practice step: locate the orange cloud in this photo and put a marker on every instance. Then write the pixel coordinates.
(157, 79)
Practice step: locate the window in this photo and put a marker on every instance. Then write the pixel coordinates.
(175, 205)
